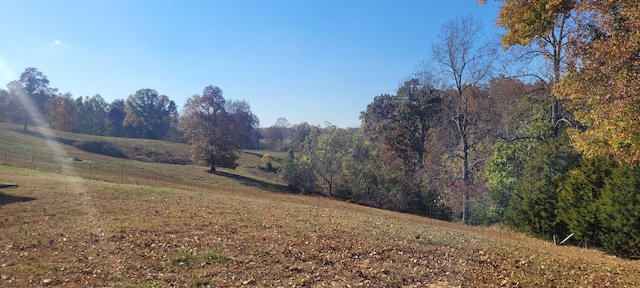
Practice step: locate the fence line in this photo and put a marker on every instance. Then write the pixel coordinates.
(114, 172)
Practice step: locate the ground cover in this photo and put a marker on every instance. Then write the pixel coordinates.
(60, 230)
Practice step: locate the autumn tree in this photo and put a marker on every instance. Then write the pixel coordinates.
(543, 29)
(464, 59)
(149, 113)
(402, 126)
(34, 94)
(273, 137)
(275, 134)
(61, 112)
(300, 133)
(603, 87)
(209, 129)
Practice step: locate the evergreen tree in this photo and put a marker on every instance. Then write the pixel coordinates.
(579, 195)
(619, 212)
(533, 206)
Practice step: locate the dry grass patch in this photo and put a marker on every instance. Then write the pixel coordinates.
(79, 232)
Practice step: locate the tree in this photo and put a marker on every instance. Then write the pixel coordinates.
(365, 171)
(298, 173)
(5, 111)
(543, 27)
(244, 122)
(533, 206)
(149, 114)
(326, 151)
(210, 128)
(465, 61)
(275, 135)
(173, 118)
(300, 133)
(12, 110)
(61, 112)
(402, 126)
(619, 212)
(603, 85)
(579, 195)
(92, 114)
(34, 95)
(524, 110)
(115, 118)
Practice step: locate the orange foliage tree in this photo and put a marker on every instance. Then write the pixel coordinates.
(603, 85)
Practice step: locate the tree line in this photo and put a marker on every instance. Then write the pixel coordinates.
(543, 137)
(215, 128)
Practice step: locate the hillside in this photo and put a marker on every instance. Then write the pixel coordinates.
(195, 229)
(71, 154)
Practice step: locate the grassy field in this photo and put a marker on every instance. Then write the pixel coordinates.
(238, 229)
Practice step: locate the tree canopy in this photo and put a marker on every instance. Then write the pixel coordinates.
(215, 134)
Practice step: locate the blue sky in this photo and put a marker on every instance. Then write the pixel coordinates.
(312, 61)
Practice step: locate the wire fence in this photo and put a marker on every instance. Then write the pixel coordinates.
(109, 171)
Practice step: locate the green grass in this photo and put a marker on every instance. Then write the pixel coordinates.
(54, 151)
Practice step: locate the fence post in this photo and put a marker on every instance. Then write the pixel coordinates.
(5, 158)
(31, 162)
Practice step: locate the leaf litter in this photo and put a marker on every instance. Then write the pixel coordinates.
(109, 235)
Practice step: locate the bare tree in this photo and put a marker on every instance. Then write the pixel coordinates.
(463, 61)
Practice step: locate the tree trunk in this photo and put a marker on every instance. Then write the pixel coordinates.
(26, 120)
(212, 162)
(466, 210)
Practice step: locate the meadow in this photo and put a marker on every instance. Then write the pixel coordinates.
(131, 223)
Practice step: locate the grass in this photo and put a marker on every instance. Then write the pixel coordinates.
(95, 233)
(54, 152)
(68, 229)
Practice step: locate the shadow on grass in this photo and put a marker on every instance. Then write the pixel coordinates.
(97, 147)
(46, 137)
(8, 199)
(253, 153)
(253, 182)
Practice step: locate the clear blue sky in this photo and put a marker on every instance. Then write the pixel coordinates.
(312, 61)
